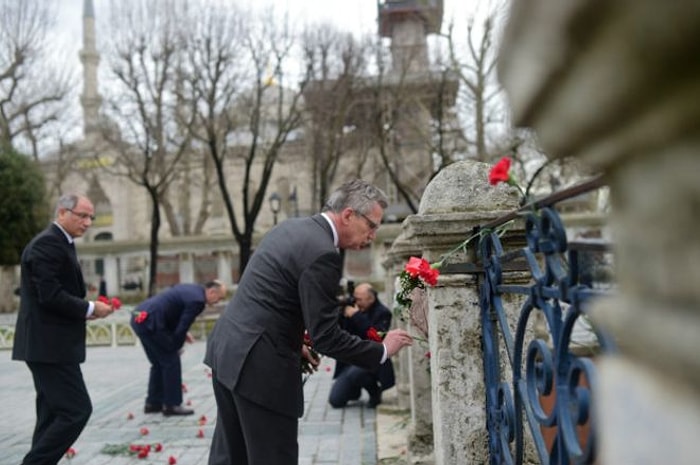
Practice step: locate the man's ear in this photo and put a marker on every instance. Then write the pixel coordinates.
(346, 213)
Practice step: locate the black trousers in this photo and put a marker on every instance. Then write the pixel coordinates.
(63, 408)
(249, 434)
(165, 376)
(349, 384)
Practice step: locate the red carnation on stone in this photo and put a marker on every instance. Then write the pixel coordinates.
(500, 172)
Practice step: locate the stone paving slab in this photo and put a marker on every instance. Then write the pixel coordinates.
(116, 378)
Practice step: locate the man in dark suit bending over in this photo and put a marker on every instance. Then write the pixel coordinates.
(256, 346)
(50, 331)
(162, 323)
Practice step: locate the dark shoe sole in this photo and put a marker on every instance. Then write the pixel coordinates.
(173, 413)
(152, 409)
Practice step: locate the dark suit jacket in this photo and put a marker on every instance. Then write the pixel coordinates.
(290, 283)
(379, 318)
(171, 313)
(51, 320)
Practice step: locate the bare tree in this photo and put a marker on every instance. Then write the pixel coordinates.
(149, 141)
(33, 85)
(338, 65)
(474, 62)
(245, 110)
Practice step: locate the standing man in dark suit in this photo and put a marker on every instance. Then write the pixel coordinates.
(365, 319)
(256, 346)
(50, 331)
(162, 323)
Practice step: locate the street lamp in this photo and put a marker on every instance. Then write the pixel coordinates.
(294, 201)
(275, 205)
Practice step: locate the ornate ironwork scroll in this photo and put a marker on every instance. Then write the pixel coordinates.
(540, 382)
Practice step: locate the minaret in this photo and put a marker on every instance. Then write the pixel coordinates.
(90, 99)
(407, 23)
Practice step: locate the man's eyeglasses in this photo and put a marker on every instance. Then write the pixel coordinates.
(372, 225)
(81, 215)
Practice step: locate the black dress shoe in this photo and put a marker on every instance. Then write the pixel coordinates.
(152, 408)
(375, 397)
(177, 410)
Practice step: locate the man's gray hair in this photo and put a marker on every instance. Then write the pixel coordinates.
(67, 201)
(358, 195)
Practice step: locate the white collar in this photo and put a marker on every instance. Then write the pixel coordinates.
(335, 232)
(69, 238)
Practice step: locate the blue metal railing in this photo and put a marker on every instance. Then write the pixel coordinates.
(545, 385)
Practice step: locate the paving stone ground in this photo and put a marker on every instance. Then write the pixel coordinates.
(116, 379)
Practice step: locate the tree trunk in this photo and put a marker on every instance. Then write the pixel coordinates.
(8, 302)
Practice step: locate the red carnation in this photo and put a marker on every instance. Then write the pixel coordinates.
(172, 460)
(103, 299)
(416, 266)
(143, 431)
(158, 447)
(70, 453)
(200, 433)
(143, 453)
(430, 276)
(500, 171)
(141, 317)
(373, 335)
(116, 303)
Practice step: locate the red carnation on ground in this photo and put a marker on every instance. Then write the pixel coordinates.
(200, 433)
(172, 460)
(70, 453)
(158, 447)
(144, 431)
(203, 420)
(143, 453)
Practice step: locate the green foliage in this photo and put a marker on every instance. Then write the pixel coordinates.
(23, 206)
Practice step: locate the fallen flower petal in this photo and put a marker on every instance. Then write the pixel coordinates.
(200, 433)
(143, 431)
(203, 420)
(70, 453)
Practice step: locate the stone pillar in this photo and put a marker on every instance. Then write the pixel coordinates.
(626, 102)
(111, 276)
(223, 267)
(397, 256)
(457, 199)
(186, 264)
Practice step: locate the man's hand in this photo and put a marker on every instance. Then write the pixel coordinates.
(312, 359)
(102, 310)
(350, 310)
(395, 340)
(189, 338)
